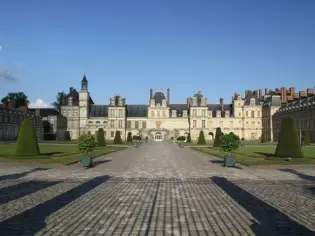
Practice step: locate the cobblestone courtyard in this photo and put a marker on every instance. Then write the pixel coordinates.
(156, 189)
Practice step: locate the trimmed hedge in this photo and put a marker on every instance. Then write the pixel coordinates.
(129, 137)
(117, 139)
(201, 138)
(218, 134)
(27, 144)
(307, 139)
(100, 138)
(288, 144)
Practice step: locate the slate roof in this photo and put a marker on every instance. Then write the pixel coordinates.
(98, 111)
(158, 97)
(272, 100)
(179, 109)
(298, 104)
(251, 95)
(137, 110)
(215, 107)
(45, 112)
(75, 98)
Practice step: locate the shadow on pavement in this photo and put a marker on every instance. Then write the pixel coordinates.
(22, 189)
(20, 175)
(32, 221)
(299, 174)
(271, 220)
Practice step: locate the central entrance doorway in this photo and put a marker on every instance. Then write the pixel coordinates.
(158, 136)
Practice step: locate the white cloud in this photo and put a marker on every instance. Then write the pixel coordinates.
(40, 104)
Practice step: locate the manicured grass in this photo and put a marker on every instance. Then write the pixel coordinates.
(108, 142)
(246, 156)
(248, 143)
(48, 158)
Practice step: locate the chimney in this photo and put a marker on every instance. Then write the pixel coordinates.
(260, 93)
(70, 90)
(295, 96)
(221, 103)
(256, 93)
(292, 91)
(168, 96)
(151, 93)
(24, 108)
(266, 91)
(284, 95)
(310, 92)
(247, 92)
(302, 94)
(37, 112)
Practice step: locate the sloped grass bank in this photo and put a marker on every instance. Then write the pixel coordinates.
(252, 156)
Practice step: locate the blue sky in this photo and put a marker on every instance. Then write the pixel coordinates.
(127, 47)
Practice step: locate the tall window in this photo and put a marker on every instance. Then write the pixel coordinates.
(144, 124)
(164, 114)
(203, 112)
(194, 113)
(112, 134)
(120, 124)
(203, 124)
(129, 124)
(112, 123)
(158, 113)
(137, 124)
(253, 114)
(253, 125)
(194, 124)
(247, 113)
(258, 113)
(152, 113)
(121, 113)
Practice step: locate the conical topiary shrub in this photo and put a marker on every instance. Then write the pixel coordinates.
(129, 137)
(288, 144)
(27, 144)
(217, 141)
(100, 138)
(117, 139)
(201, 138)
(188, 138)
(307, 139)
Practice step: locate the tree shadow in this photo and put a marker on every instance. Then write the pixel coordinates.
(32, 220)
(299, 174)
(50, 153)
(20, 175)
(271, 220)
(101, 162)
(19, 190)
(265, 154)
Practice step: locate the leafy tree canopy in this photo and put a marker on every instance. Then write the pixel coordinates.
(59, 99)
(20, 99)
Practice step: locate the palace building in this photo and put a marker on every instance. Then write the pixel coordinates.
(159, 119)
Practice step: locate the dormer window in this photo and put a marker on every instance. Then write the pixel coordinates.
(218, 114)
(252, 101)
(185, 113)
(210, 113)
(227, 113)
(70, 101)
(174, 113)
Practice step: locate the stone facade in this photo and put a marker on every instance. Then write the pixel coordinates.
(246, 116)
(303, 109)
(11, 119)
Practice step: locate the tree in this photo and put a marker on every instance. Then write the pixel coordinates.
(87, 144)
(117, 138)
(201, 138)
(20, 99)
(263, 138)
(188, 138)
(181, 138)
(100, 138)
(129, 138)
(217, 141)
(136, 138)
(27, 141)
(229, 142)
(307, 139)
(59, 100)
(288, 144)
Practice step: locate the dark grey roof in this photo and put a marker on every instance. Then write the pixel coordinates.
(251, 95)
(298, 104)
(272, 100)
(137, 110)
(45, 112)
(215, 107)
(84, 79)
(158, 97)
(98, 111)
(179, 109)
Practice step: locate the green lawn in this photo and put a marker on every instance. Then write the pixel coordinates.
(261, 156)
(51, 154)
(248, 143)
(108, 142)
